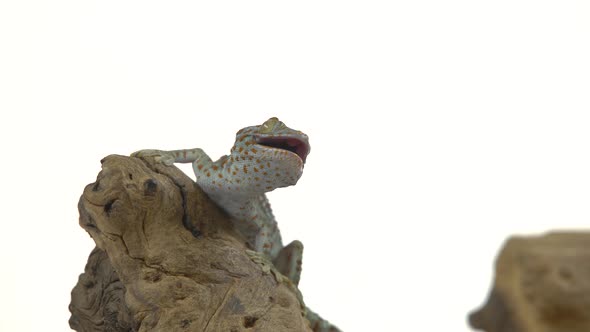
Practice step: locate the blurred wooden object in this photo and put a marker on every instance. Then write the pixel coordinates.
(542, 284)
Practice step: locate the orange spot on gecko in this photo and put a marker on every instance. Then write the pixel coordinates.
(200, 167)
(208, 174)
(215, 167)
(255, 169)
(254, 150)
(219, 175)
(245, 169)
(240, 149)
(268, 187)
(256, 179)
(264, 173)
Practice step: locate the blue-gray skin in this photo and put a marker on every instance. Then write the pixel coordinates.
(263, 158)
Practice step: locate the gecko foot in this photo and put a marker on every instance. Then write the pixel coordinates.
(317, 323)
(268, 268)
(266, 265)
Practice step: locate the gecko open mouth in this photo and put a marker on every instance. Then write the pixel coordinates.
(297, 146)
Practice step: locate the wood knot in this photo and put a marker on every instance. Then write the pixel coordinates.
(150, 186)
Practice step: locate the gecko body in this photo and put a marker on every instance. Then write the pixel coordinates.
(263, 158)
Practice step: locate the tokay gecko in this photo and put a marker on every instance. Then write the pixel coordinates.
(263, 158)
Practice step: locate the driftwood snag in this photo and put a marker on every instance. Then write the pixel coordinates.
(542, 284)
(167, 259)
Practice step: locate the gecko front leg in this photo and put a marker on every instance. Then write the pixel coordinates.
(174, 156)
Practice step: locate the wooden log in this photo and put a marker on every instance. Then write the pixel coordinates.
(167, 259)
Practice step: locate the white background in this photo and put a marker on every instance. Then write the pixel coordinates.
(438, 129)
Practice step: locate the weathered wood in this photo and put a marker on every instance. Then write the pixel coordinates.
(169, 260)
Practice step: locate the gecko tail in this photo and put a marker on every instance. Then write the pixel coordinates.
(318, 324)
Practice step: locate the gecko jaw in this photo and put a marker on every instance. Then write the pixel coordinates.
(296, 146)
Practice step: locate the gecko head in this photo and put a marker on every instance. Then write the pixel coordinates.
(274, 135)
(275, 144)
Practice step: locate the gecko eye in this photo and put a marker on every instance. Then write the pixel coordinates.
(269, 125)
